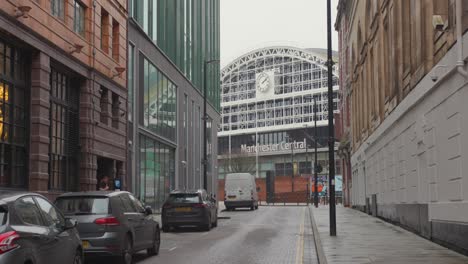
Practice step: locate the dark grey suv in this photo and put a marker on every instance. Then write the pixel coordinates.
(189, 208)
(113, 224)
(34, 231)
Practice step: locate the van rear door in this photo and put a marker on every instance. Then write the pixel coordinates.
(238, 189)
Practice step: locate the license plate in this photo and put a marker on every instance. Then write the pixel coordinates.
(183, 209)
(232, 197)
(85, 244)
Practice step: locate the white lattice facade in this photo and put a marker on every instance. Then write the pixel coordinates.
(296, 76)
(267, 103)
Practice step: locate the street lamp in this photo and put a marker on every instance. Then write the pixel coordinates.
(205, 119)
(331, 132)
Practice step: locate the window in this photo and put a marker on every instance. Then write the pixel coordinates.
(159, 102)
(105, 35)
(115, 40)
(157, 171)
(137, 204)
(79, 18)
(115, 110)
(57, 8)
(64, 132)
(83, 205)
(127, 204)
(28, 212)
(3, 216)
(13, 118)
(103, 102)
(184, 198)
(52, 217)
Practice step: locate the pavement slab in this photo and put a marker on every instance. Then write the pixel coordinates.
(362, 238)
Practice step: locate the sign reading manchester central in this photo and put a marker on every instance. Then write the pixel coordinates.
(283, 146)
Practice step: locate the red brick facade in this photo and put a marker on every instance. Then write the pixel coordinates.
(53, 43)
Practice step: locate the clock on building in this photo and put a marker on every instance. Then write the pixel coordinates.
(263, 82)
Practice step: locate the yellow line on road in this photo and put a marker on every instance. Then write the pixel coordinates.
(300, 240)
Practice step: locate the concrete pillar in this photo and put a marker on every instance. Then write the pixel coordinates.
(40, 123)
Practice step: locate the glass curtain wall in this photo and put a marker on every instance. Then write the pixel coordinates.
(188, 32)
(160, 96)
(157, 171)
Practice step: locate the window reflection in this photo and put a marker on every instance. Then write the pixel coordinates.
(159, 102)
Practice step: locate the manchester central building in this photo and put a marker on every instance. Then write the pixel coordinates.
(267, 115)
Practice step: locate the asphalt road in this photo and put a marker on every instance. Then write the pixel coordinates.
(277, 234)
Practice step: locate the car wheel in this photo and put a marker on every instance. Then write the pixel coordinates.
(78, 259)
(127, 252)
(252, 207)
(208, 225)
(154, 250)
(215, 224)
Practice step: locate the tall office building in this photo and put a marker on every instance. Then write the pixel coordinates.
(171, 43)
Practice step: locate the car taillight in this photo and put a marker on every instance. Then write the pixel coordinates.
(201, 205)
(109, 221)
(7, 241)
(167, 206)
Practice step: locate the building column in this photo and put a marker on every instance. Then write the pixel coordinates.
(40, 123)
(88, 120)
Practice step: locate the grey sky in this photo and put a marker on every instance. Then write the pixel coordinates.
(251, 24)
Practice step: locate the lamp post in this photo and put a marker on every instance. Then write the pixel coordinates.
(315, 159)
(205, 119)
(331, 132)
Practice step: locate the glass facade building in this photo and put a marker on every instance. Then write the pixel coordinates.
(188, 33)
(170, 42)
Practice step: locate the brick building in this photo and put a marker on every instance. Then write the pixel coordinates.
(404, 83)
(63, 94)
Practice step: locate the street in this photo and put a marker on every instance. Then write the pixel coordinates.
(280, 234)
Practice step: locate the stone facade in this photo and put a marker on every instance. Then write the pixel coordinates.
(403, 93)
(91, 63)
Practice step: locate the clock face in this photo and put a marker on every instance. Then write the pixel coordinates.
(263, 82)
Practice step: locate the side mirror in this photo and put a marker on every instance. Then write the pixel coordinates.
(70, 223)
(148, 210)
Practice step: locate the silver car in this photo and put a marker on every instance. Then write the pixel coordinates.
(34, 231)
(112, 224)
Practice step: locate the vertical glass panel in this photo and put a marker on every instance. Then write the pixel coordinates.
(150, 173)
(146, 110)
(153, 95)
(142, 165)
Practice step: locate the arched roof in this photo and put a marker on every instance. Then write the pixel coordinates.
(315, 56)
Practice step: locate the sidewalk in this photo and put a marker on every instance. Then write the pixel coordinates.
(365, 239)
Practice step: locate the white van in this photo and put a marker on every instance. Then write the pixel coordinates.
(240, 191)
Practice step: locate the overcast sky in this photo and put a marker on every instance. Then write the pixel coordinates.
(251, 24)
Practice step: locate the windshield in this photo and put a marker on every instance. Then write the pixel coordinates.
(83, 205)
(184, 198)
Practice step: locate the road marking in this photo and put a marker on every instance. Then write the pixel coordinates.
(300, 241)
(172, 249)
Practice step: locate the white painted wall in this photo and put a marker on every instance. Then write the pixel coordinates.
(419, 154)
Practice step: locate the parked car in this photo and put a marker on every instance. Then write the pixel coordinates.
(34, 231)
(240, 191)
(112, 224)
(189, 208)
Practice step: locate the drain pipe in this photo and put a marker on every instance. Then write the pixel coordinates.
(460, 61)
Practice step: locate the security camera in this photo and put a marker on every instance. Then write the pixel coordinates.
(438, 22)
(434, 78)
